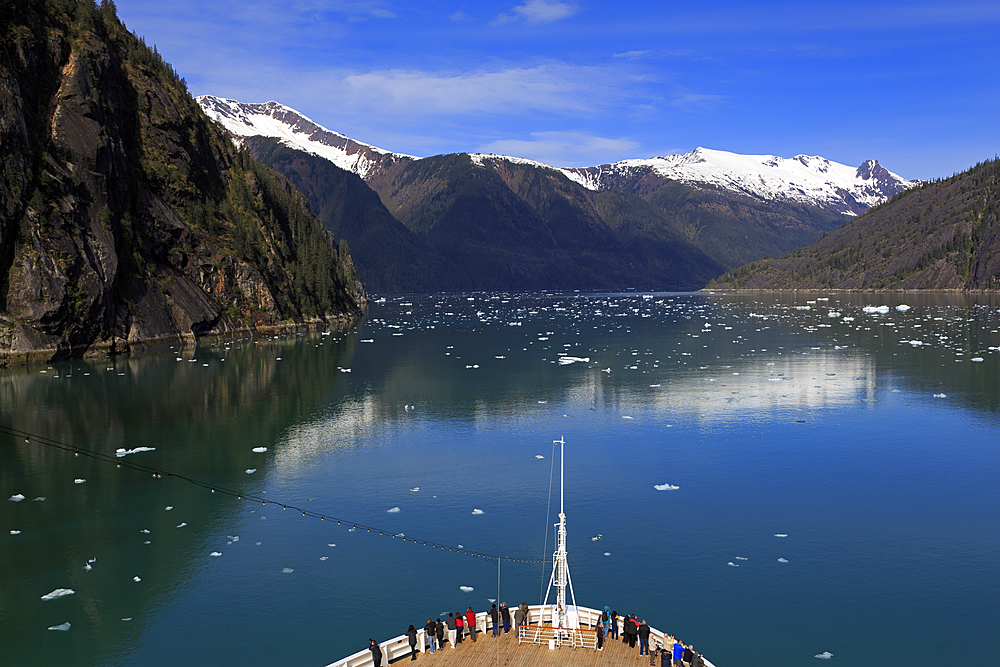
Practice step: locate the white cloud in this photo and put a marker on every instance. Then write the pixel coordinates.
(539, 11)
(565, 149)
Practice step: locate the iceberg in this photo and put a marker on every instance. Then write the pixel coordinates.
(665, 487)
(260, 450)
(125, 452)
(477, 511)
(16, 498)
(58, 593)
(466, 589)
(392, 510)
(825, 655)
(566, 361)
(63, 627)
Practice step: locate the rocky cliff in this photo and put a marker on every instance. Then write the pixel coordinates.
(125, 214)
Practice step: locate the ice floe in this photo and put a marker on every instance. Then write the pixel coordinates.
(38, 499)
(182, 524)
(902, 308)
(58, 593)
(539, 456)
(607, 553)
(260, 450)
(79, 480)
(781, 534)
(392, 510)
(825, 655)
(63, 627)
(414, 489)
(287, 570)
(250, 471)
(782, 560)
(940, 395)
(566, 361)
(466, 589)
(125, 452)
(477, 511)
(168, 507)
(215, 553)
(16, 498)
(665, 487)
(597, 538)
(15, 532)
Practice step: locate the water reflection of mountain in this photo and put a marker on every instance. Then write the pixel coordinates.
(203, 415)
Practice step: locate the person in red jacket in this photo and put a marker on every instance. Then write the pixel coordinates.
(459, 626)
(470, 622)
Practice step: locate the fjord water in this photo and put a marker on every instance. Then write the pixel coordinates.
(869, 444)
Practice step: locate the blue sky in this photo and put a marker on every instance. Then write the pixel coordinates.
(915, 85)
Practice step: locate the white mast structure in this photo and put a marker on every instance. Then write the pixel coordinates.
(562, 616)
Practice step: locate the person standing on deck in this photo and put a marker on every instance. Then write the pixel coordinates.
(376, 652)
(614, 625)
(411, 634)
(505, 615)
(470, 622)
(431, 631)
(688, 655)
(440, 633)
(600, 637)
(606, 619)
(452, 629)
(527, 613)
(495, 617)
(678, 653)
(518, 620)
(643, 632)
(459, 626)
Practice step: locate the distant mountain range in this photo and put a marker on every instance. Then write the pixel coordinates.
(940, 235)
(606, 225)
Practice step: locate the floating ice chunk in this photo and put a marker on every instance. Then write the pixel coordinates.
(976, 359)
(87, 567)
(287, 570)
(79, 480)
(38, 499)
(250, 471)
(478, 511)
(566, 361)
(803, 307)
(127, 619)
(940, 395)
(626, 417)
(732, 564)
(741, 558)
(324, 557)
(182, 524)
(607, 553)
(833, 313)
(597, 538)
(466, 589)
(367, 340)
(825, 655)
(782, 560)
(168, 507)
(392, 510)
(58, 593)
(902, 308)
(331, 545)
(606, 370)
(125, 452)
(665, 487)
(16, 498)
(876, 309)
(63, 627)
(414, 489)
(781, 534)
(215, 553)
(15, 532)
(539, 456)
(260, 450)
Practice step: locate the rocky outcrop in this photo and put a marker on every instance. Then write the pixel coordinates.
(126, 215)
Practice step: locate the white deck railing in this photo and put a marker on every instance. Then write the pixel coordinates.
(399, 647)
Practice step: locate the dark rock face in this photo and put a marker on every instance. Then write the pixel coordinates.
(125, 215)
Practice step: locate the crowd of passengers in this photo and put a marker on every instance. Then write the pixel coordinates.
(459, 626)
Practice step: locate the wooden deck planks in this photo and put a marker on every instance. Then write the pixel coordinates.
(484, 653)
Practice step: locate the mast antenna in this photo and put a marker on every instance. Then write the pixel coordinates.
(562, 616)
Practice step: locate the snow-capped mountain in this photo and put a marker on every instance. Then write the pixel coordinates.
(804, 179)
(272, 119)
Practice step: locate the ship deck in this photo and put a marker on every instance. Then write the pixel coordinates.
(504, 651)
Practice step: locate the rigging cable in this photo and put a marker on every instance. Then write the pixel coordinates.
(158, 473)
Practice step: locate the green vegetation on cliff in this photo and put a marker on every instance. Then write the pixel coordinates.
(943, 234)
(125, 214)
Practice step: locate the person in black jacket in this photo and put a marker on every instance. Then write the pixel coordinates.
(495, 617)
(412, 636)
(376, 653)
(505, 615)
(600, 637)
(688, 655)
(643, 632)
(614, 625)
(431, 630)
(440, 633)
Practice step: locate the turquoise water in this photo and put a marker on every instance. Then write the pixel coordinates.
(871, 442)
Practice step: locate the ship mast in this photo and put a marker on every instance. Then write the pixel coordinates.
(560, 568)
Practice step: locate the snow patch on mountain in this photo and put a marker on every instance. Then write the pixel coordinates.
(806, 179)
(271, 119)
